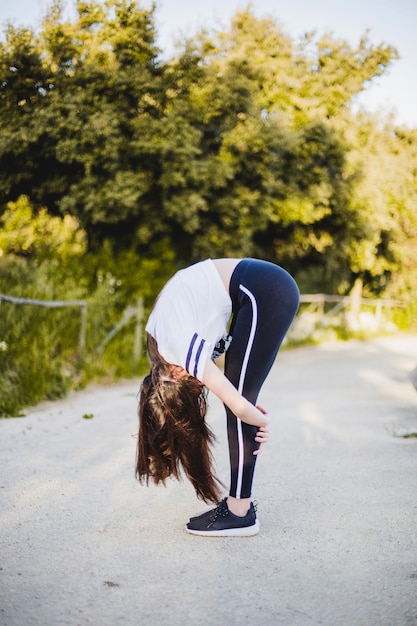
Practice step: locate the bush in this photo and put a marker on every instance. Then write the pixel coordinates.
(45, 258)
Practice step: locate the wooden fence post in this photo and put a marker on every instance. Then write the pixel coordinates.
(356, 299)
(137, 343)
(83, 330)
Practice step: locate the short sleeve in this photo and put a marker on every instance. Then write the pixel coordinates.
(185, 348)
(198, 352)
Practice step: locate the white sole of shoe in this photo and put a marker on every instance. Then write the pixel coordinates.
(246, 531)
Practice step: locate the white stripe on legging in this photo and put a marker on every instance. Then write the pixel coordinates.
(240, 386)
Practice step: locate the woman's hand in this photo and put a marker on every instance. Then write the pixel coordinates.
(262, 436)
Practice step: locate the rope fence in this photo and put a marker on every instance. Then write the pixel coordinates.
(316, 301)
(56, 304)
(353, 301)
(129, 313)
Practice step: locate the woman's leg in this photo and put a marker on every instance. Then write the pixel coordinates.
(265, 300)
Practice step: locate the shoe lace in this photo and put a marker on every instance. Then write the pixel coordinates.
(221, 510)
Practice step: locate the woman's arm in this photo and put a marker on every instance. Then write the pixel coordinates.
(216, 381)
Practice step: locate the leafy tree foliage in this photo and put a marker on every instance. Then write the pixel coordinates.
(82, 100)
(245, 142)
(278, 182)
(383, 249)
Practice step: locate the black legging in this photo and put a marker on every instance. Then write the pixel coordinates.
(265, 300)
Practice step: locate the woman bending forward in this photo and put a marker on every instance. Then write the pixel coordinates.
(186, 332)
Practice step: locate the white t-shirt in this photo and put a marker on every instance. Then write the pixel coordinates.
(190, 317)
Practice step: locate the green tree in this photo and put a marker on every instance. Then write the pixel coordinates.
(85, 133)
(382, 251)
(238, 144)
(23, 86)
(274, 177)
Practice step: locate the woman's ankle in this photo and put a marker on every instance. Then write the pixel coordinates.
(238, 506)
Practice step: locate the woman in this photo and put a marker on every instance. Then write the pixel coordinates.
(187, 331)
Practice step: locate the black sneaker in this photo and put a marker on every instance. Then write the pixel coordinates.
(220, 522)
(209, 512)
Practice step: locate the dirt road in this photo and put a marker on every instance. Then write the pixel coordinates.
(82, 543)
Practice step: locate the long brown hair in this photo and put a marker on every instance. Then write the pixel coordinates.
(173, 432)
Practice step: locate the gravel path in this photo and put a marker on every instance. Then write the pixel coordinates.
(82, 543)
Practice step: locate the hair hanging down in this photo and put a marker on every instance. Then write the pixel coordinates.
(173, 432)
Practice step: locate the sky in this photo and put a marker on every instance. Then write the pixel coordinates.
(388, 21)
